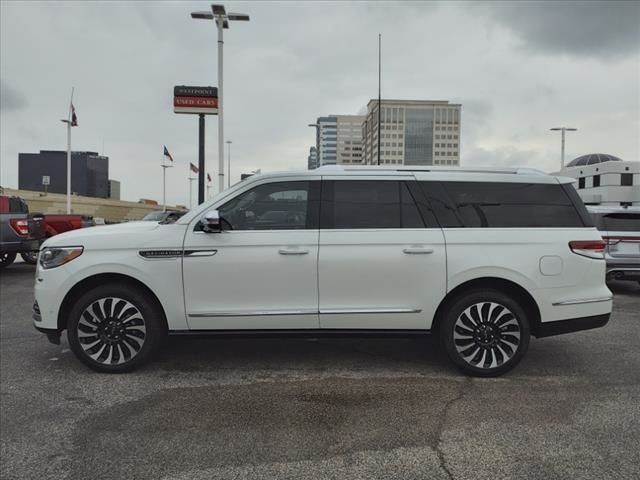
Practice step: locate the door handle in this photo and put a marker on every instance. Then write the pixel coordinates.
(417, 251)
(290, 251)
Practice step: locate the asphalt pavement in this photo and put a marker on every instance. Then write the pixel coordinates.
(319, 408)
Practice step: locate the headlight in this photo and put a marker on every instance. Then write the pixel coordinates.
(52, 257)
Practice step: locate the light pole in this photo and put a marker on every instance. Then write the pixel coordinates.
(222, 18)
(563, 130)
(229, 142)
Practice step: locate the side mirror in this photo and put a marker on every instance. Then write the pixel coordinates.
(211, 222)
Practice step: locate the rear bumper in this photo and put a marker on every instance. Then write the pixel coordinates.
(549, 329)
(21, 246)
(621, 270)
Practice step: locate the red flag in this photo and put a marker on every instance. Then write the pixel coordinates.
(74, 117)
(194, 169)
(208, 177)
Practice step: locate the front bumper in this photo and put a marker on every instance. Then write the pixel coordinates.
(549, 329)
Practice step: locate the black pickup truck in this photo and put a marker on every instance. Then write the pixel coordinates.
(20, 232)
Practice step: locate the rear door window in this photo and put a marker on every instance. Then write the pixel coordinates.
(357, 204)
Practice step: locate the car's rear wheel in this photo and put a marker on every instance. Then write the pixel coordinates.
(485, 332)
(30, 257)
(6, 259)
(115, 328)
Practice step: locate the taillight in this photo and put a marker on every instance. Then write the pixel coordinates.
(20, 226)
(75, 223)
(588, 248)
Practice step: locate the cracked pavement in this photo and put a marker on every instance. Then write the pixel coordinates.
(326, 408)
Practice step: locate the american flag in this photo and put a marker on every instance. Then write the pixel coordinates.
(194, 169)
(74, 117)
(167, 154)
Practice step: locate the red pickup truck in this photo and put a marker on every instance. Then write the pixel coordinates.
(22, 233)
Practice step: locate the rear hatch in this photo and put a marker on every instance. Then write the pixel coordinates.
(621, 231)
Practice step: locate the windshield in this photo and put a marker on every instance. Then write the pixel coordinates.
(622, 222)
(154, 217)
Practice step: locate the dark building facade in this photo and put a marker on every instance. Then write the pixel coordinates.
(89, 172)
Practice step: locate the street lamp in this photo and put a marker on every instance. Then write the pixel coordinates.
(222, 19)
(229, 142)
(563, 130)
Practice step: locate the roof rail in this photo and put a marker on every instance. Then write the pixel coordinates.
(429, 168)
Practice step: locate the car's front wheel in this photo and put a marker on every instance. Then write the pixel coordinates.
(485, 332)
(115, 328)
(6, 259)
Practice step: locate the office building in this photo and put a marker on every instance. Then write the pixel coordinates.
(326, 139)
(414, 132)
(339, 139)
(349, 139)
(89, 172)
(604, 179)
(114, 189)
(312, 159)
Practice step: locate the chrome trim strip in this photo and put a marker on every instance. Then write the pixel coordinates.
(199, 253)
(331, 311)
(578, 302)
(166, 253)
(338, 311)
(253, 313)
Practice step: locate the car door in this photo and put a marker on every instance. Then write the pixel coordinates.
(382, 265)
(260, 271)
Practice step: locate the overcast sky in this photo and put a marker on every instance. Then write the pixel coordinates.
(517, 68)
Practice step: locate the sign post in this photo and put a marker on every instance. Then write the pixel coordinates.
(46, 180)
(201, 101)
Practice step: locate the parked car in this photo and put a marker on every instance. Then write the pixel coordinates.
(484, 259)
(20, 232)
(620, 229)
(168, 216)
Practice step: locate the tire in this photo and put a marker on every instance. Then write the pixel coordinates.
(485, 332)
(115, 328)
(30, 257)
(6, 259)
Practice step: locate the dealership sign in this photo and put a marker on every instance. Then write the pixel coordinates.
(199, 100)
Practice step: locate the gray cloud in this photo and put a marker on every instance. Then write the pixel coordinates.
(10, 98)
(606, 29)
(293, 62)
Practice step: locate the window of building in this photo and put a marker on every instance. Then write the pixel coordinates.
(368, 204)
(506, 205)
(596, 180)
(274, 206)
(581, 182)
(626, 179)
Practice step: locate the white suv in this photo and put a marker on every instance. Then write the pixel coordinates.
(483, 258)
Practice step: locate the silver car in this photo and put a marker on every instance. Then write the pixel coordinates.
(620, 228)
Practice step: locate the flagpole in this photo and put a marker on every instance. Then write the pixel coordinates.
(164, 183)
(191, 179)
(69, 155)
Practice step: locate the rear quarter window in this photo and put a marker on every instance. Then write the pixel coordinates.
(508, 205)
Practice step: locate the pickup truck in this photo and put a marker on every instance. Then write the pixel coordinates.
(20, 232)
(13, 240)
